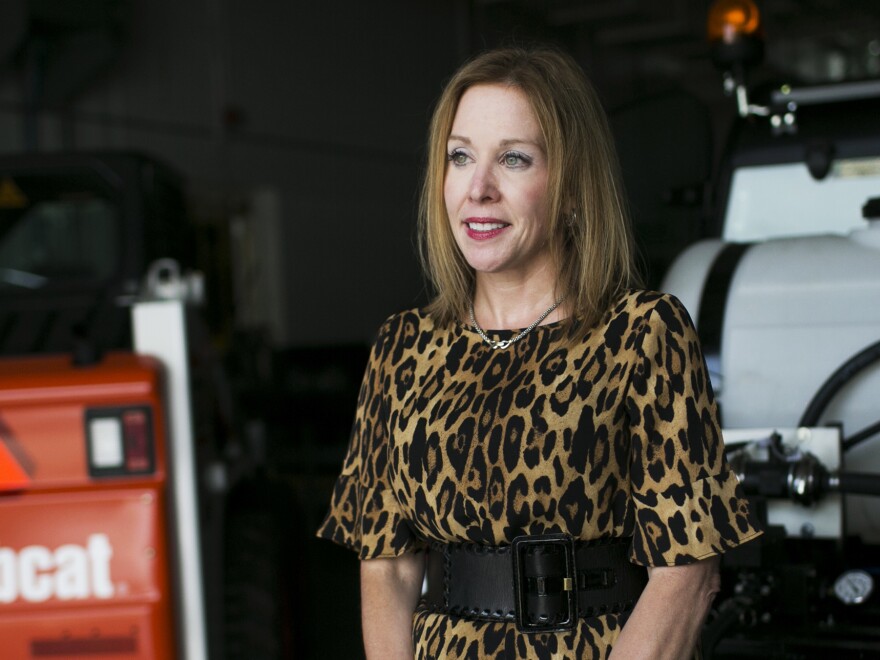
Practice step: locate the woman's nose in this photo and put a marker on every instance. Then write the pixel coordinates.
(483, 185)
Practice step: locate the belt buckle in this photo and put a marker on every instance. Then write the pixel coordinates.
(566, 583)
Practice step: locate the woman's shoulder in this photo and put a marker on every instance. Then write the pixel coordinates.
(405, 330)
(645, 299)
(415, 319)
(651, 306)
(634, 313)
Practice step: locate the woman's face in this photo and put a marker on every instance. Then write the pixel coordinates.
(496, 182)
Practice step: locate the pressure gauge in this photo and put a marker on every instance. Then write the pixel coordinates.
(854, 587)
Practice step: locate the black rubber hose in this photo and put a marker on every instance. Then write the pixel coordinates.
(836, 381)
(861, 436)
(858, 483)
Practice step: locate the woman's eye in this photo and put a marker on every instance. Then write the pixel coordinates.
(514, 159)
(457, 157)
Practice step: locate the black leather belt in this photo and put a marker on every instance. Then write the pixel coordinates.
(542, 583)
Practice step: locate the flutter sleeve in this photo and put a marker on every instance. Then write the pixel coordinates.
(688, 504)
(364, 514)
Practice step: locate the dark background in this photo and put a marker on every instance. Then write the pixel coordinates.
(312, 116)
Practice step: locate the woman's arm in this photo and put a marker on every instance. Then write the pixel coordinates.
(390, 589)
(667, 620)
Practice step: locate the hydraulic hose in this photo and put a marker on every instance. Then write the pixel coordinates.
(804, 480)
(855, 483)
(836, 381)
(861, 436)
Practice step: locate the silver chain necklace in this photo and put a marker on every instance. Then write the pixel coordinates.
(507, 342)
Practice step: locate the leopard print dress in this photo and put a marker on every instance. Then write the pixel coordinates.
(614, 436)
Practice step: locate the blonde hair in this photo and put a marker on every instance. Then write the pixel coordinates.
(590, 240)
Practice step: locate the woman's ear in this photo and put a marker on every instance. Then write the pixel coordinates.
(569, 212)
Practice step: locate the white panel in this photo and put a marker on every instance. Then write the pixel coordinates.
(160, 331)
(105, 442)
(757, 209)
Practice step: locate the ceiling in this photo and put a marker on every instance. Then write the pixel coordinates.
(638, 43)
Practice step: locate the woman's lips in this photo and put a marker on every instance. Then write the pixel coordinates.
(481, 229)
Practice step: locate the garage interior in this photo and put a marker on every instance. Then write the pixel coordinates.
(276, 150)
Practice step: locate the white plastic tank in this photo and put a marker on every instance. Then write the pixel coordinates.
(796, 310)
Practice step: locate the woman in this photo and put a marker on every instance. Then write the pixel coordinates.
(540, 464)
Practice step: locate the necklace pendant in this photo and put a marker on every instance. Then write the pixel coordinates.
(496, 345)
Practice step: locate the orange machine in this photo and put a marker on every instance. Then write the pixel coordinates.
(103, 498)
(83, 496)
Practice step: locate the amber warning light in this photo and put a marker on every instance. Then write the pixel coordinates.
(730, 20)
